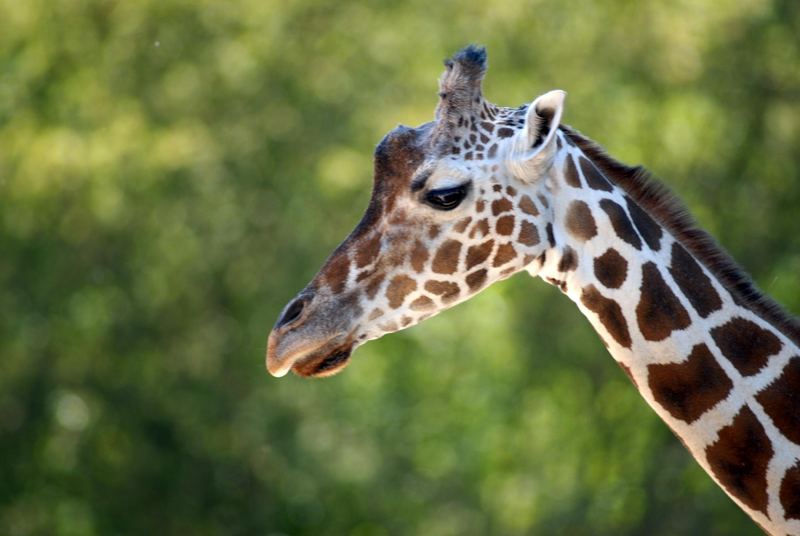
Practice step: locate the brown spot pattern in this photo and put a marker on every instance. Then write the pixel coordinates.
(693, 282)
(689, 389)
(505, 253)
(739, 459)
(610, 314)
(571, 173)
(374, 285)
(568, 261)
(476, 279)
(422, 303)
(368, 252)
(611, 268)
(781, 400)
(376, 313)
(505, 225)
(399, 287)
(446, 259)
(593, 177)
(621, 223)
(336, 272)
(462, 225)
(477, 254)
(419, 254)
(433, 231)
(790, 492)
(746, 344)
(528, 235)
(501, 205)
(648, 228)
(579, 221)
(446, 290)
(481, 227)
(659, 312)
(527, 206)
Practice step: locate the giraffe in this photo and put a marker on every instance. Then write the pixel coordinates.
(483, 192)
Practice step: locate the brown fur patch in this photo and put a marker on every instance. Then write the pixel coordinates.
(376, 313)
(399, 287)
(790, 492)
(462, 225)
(593, 177)
(419, 254)
(527, 206)
(423, 303)
(505, 253)
(336, 271)
(480, 204)
(501, 205)
(478, 254)
(446, 290)
(476, 279)
(528, 234)
(433, 231)
(621, 223)
(446, 259)
(610, 314)
(374, 285)
(747, 345)
(656, 199)
(739, 459)
(505, 132)
(693, 282)
(571, 173)
(505, 225)
(647, 227)
(579, 221)
(510, 190)
(689, 389)
(659, 312)
(481, 227)
(568, 261)
(781, 400)
(368, 252)
(611, 268)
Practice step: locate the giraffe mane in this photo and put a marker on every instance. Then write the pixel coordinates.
(670, 212)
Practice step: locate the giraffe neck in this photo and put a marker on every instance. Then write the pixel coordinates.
(724, 379)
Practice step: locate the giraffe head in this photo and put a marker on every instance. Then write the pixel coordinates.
(457, 203)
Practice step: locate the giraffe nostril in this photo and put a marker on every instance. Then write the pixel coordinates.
(292, 312)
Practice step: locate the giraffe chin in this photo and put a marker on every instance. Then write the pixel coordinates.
(324, 362)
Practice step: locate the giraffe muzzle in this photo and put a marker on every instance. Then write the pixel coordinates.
(308, 360)
(310, 338)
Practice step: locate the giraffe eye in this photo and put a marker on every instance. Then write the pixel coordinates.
(447, 198)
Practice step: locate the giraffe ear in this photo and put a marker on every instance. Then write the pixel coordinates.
(534, 145)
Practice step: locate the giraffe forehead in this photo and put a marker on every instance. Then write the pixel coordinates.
(398, 157)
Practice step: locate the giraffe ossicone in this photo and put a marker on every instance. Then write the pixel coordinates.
(483, 192)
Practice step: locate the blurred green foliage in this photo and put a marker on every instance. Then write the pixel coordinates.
(172, 172)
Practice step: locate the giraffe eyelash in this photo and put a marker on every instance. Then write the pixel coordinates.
(447, 198)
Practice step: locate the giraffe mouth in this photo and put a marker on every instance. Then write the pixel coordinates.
(324, 362)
